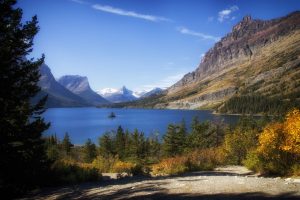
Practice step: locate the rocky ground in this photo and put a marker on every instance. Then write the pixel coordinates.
(231, 182)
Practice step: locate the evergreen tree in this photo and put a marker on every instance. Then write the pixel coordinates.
(90, 151)
(197, 138)
(22, 152)
(170, 146)
(127, 143)
(182, 136)
(66, 143)
(106, 145)
(136, 145)
(120, 142)
(154, 148)
(52, 148)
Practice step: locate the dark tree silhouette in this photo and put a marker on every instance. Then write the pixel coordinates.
(22, 152)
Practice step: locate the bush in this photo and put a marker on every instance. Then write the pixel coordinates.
(278, 151)
(295, 170)
(70, 172)
(253, 162)
(105, 164)
(120, 167)
(114, 165)
(171, 166)
(205, 159)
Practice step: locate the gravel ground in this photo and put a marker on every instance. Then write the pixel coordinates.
(231, 182)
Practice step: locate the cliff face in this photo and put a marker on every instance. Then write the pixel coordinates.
(80, 86)
(251, 50)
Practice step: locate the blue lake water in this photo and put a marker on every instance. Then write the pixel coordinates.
(84, 123)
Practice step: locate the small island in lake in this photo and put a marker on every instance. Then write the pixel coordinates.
(112, 115)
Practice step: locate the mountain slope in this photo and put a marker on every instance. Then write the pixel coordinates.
(58, 96)
(257, 58)
(79, 85)
(117, 95)
(154, 91)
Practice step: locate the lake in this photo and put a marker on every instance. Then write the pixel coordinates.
(84, 123)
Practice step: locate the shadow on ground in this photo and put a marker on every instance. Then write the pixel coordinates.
(151, 189)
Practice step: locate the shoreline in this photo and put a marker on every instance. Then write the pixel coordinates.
(148, 108)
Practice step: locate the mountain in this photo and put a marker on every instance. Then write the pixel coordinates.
(58, 95)
(257, 63)
(154, 91)
(139, 94)
(80, 86)
(117, 95)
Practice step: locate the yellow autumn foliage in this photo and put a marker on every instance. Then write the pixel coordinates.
(271, 139)
(120, 167)
(292, 130)
(281, 136)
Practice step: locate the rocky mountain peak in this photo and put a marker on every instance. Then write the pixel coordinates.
(75, 83)
(80, 86)
(245, 21)
(246, 39)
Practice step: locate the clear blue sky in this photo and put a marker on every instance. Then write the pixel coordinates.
(137, 43)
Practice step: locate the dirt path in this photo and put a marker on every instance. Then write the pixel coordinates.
(231, 182)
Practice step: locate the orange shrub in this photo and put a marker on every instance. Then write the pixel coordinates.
(205, 159)
(120, 167)
(170, 166)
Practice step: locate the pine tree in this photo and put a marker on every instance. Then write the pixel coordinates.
(169, 146)
(154, 147)
(90, 151)
(23, 157)
(135, 144)
(106, 145)
(182, 136)
(66, 143)
(120, 142)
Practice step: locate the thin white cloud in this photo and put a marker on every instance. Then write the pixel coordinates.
(79, 1)
(203, 36)
(119, 11)
(225, 14)
(165, 83)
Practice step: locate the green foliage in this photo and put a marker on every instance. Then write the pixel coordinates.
(175, 139)
(128, 146)
(106, 145)
(105, 164)
(241, 140)
(137, 146)
(206, 146)
(120, 142)
(254, 104)
(295, 169)
(23, 159)
(253, 161)
(90, 151)
(154, 148)
(69, 172)
(66, 143)
(205, 134)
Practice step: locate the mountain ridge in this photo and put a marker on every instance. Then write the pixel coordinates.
(117, 95)
(58, 95)
(258, 57)
(80, 86)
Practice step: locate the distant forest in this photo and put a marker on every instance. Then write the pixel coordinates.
(259, 104)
